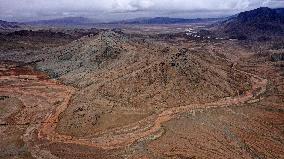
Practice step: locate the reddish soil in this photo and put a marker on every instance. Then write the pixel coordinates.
(27, 85)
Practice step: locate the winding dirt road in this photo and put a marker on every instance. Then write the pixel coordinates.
(46, 99)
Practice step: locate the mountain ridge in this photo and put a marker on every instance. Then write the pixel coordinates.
(262, 21)
(69, 21)
(4, 25)
(166, 20)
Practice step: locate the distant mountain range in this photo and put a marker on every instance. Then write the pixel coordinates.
(167, 20)
(77, 21)
(8, 25)
(66, 21)
(280, 11)
(261, 21)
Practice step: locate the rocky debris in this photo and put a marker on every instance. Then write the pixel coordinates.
(4, 97)
(277, 57)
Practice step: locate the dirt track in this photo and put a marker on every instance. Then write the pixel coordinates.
(52, 98)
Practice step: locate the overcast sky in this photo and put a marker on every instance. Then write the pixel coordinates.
(27, 10)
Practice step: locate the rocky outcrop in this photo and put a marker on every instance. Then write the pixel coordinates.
(277, 57)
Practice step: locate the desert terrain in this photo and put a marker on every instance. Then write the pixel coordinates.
(142, 91)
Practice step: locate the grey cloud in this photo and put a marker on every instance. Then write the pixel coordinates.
(107, 9)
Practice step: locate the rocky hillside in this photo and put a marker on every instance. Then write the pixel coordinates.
(114, 73)
(23, 40)
(261, 21)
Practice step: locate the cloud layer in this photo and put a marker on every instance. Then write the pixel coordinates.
(58, 8)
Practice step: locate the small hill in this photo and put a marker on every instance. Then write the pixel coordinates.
(114, 72)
